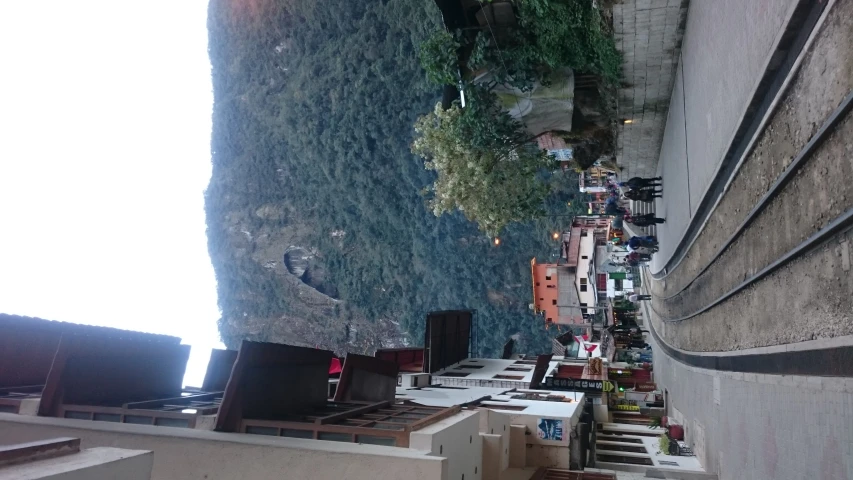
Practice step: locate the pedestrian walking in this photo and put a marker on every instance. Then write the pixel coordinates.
(645, 220)
(637, 257)
(647, 196)
(640, 182)
(648, 251)
(637, 298)
(638, 241)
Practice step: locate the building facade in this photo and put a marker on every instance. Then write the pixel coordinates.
(567, 292)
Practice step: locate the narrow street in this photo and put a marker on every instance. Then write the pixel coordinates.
(751, 320)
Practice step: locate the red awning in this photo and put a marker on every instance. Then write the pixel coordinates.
(335, 366)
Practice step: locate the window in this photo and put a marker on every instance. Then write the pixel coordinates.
(583, 281)
(547, 277)
(334, 437)
(470, 366)
(551, 286)
(583, 304)
(553, 302)
(509, 377)
(455, 374)
(517, 369)
(585, 257)
(667, 462)
(584, 287)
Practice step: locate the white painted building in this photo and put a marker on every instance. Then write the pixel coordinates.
(548, 417)
(490, 372)
(450, 448)
(636, 448)
(585, 278)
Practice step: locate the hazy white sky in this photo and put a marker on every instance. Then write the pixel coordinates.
(104, 156)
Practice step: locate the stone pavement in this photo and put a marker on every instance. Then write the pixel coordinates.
(648, 33)
(750, 426)
(726, 48)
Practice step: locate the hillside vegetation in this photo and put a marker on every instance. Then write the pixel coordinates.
(312, 129)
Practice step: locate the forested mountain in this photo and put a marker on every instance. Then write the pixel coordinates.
(317, 228)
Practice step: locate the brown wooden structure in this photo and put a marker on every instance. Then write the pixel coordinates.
(28, 346)
(281, 390)
(98, 379)
(367, 379)
(447, 339)
(218, 370)
(407, 359)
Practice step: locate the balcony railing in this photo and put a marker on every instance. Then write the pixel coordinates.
(382, 423)
(183, 411)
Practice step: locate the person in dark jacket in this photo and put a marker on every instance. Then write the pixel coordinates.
(645, 220)
(649, 241)
(637, 183)
(644, 195)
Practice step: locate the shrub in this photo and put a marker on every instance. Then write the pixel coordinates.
(438, 58)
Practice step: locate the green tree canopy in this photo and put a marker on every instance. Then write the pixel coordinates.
(490, 186)
(438, 58)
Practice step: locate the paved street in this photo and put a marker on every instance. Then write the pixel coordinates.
(727, 46)
(748, 426)
(742, 426)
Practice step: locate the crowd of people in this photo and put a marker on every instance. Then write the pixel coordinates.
(643, 190)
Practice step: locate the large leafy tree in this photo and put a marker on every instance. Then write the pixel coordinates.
(486, 176)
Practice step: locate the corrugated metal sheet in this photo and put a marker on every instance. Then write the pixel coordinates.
(447, 338)
(28, 345)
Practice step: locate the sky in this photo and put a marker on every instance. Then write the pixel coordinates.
(105, 119)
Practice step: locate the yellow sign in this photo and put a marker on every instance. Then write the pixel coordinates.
(628, 408)
(607, 387)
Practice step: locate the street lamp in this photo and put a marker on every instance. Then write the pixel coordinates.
(555, 235)
(497, 241)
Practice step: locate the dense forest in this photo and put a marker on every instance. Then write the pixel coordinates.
(312, 129)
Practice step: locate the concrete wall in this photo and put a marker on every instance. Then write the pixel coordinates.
(193, 454)
(92, 464)
(648, 33)
(457, 439)
(518, 446)
(547, 453)
(493, 424)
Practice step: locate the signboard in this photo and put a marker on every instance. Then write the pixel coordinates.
(595, 366)
(550, 429)
(578, 385)
(628, 408)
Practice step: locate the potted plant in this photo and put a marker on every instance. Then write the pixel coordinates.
(675, 431)
(673, 446)
(657, 422)
(663, 443)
